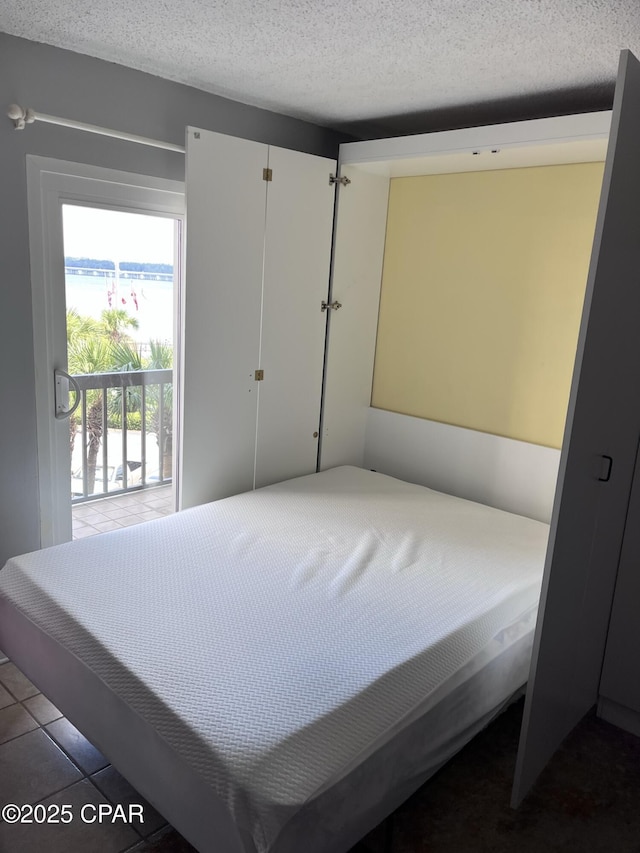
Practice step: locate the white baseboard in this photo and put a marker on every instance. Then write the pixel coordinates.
(501, 472)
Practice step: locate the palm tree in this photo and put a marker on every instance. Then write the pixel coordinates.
(161, 358)
(125, 357)
(97, 346)
(102, 347)
(81, 327)
(78, 328)
(90, 355)
(114, 321)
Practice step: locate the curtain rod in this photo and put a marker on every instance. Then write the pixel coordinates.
(21, 117)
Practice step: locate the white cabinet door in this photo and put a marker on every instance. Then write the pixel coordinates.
(603, 424)
(297, 251)
(361, 220)
(257, 270)
(225, 195)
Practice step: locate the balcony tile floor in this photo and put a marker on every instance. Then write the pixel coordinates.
(121, 511)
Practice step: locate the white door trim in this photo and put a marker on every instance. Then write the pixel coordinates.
(50, 183)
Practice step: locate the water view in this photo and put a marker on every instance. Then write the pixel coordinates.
(146, 296)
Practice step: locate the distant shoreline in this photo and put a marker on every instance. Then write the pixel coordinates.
(121, 275)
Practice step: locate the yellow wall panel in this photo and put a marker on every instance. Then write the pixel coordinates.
(482, 291)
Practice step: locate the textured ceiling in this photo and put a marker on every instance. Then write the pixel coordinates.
(336, 62)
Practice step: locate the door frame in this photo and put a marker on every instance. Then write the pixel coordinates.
(51, 183)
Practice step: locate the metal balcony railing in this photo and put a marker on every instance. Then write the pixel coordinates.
(137, 458)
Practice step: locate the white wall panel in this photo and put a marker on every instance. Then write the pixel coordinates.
(297, 244)
(225, 242)
(512, 475)
(532, 135)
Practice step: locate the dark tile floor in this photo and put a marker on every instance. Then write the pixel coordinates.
(45, 760)
(586, 801)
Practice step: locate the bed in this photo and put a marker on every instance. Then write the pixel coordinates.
(278, 670)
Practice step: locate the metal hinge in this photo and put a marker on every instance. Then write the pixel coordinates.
(259, 375)
(267, 174)
(334, 179)
(330, 306)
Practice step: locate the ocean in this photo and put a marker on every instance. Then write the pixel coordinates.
(147, 298)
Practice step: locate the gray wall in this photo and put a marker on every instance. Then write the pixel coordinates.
(62, 83)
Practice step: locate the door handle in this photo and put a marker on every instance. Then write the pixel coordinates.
(605, 468)
(62, 380)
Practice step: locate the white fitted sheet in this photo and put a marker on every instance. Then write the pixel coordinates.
(275, 643)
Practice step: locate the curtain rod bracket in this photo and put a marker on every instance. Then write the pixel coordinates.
(20, 117)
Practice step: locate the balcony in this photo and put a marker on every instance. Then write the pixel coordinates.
(124, 510)
(121, 438)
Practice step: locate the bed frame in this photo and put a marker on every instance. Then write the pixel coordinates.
(512, 475)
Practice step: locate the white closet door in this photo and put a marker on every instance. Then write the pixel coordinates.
(603, 424)
(361, 221)
(296, 280)
(225, 196)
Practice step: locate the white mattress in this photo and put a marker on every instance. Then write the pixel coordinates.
(275, 642)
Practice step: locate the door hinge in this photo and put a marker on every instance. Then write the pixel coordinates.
(259, 375)
(334, 179)
(330, 306)
(267, 174)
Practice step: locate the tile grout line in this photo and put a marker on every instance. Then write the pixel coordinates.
(84, 775)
